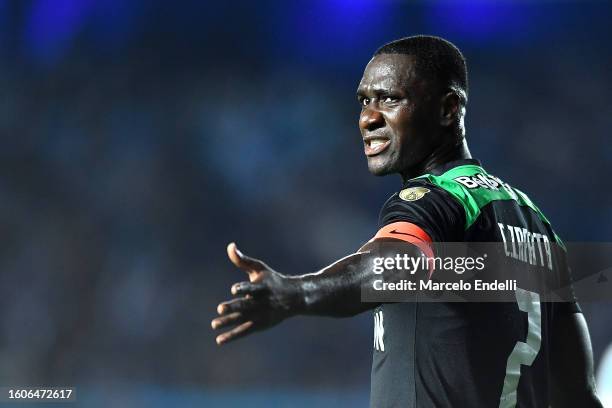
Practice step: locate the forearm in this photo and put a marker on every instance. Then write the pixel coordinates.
(336, 289)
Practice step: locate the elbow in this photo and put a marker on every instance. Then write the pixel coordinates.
(592, 400)
(587, 399)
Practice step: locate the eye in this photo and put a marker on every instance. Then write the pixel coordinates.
(390, 99)
(364, 101)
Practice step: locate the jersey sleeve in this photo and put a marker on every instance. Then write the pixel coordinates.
(428, 207)
(566, 283)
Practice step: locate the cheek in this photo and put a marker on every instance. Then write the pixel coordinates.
(402, 123)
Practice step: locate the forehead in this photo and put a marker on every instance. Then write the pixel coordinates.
(386, 71)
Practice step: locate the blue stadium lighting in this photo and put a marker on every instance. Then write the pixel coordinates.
(340, 26)
(51, 26)
(480, 21)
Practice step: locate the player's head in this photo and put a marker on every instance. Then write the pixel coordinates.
(413, 95)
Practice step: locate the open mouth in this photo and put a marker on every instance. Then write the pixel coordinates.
(375, 145)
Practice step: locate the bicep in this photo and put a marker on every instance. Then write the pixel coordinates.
(571, 362)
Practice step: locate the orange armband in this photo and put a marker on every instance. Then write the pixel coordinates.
(408, 232)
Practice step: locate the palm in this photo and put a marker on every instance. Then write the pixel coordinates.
(262, 302)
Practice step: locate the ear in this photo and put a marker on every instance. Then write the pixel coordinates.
(450, 107)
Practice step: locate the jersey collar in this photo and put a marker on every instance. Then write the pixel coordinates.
(439, 170)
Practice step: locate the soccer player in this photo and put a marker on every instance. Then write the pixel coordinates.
(413, 97)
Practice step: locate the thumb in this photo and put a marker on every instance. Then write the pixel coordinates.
(248, 264)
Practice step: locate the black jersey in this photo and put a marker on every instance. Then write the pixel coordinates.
(467, 354)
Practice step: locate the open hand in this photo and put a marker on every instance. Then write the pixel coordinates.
(263, 301)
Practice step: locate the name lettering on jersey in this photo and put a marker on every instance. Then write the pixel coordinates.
(379, 331)
(481, 180)
(526, 246)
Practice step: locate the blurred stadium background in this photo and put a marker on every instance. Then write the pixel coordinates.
(140, 137)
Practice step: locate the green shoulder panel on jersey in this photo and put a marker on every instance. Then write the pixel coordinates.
(474, 188)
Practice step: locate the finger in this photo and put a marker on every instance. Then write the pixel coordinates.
(236, 333)
(235, 305)
(247, 288)
(232, 318)
(250, 265)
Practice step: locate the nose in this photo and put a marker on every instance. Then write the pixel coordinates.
(370, 119)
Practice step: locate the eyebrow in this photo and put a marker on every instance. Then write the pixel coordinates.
(376, 91)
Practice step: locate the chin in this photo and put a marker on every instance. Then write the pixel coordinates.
(381, 169)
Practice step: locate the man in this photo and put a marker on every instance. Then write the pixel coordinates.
(413, 96)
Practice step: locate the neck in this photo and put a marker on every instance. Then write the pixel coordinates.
(442, 155)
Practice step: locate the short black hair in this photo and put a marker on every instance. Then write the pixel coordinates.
(435, 58)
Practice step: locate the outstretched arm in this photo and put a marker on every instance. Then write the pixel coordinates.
(270, 297)
(573, 383)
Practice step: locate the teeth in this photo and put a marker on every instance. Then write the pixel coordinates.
(375, 143)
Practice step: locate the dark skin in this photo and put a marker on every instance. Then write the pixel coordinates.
(409, 125)
(423, 123)
(422, 120)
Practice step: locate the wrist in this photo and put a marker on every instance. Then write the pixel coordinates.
(299, 297)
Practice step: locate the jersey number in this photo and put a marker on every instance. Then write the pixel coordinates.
(524, 353)
(379, 331)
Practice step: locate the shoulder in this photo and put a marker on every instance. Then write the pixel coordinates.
(427, 205)
(418, 193)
